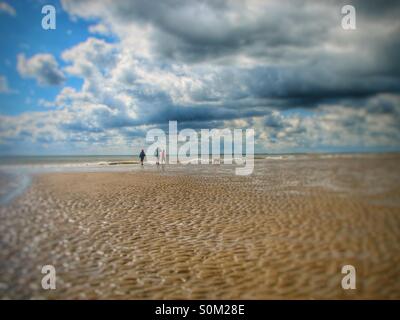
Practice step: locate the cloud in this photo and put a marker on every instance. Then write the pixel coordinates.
(287, 69)
(4, 88)
(8, 9)
(273, 49)
(42, 67)
(90, 57)
(207, 30)
(99, 28)
(336, 127)
(94, 128)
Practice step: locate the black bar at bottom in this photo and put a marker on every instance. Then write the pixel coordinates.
(201, 309)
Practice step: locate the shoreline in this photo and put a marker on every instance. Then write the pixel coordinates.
(23, 172)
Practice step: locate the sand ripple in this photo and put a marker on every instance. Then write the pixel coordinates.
(146, 235)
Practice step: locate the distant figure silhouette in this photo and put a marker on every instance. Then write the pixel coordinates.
(141, 156)
(157, 156)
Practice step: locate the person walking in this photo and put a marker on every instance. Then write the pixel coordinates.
(163, 160)
(157, 156)
(142, 155)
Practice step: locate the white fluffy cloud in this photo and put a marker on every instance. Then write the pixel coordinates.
(42, 67)
(99, 28)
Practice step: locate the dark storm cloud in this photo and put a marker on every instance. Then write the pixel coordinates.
(193, 31)
(290, 41)
(197, 114)
(158, 108)
(378, 9)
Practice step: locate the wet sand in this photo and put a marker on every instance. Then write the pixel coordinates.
(282, 233)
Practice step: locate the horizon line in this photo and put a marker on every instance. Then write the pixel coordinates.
(256, 153)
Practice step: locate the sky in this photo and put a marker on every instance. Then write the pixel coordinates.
(112, 70)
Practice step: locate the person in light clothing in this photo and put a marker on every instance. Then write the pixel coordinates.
(163, 160)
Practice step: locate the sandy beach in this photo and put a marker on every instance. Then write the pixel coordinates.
(284, 232)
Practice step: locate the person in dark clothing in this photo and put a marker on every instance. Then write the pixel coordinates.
(141, 156)
(157, 154)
